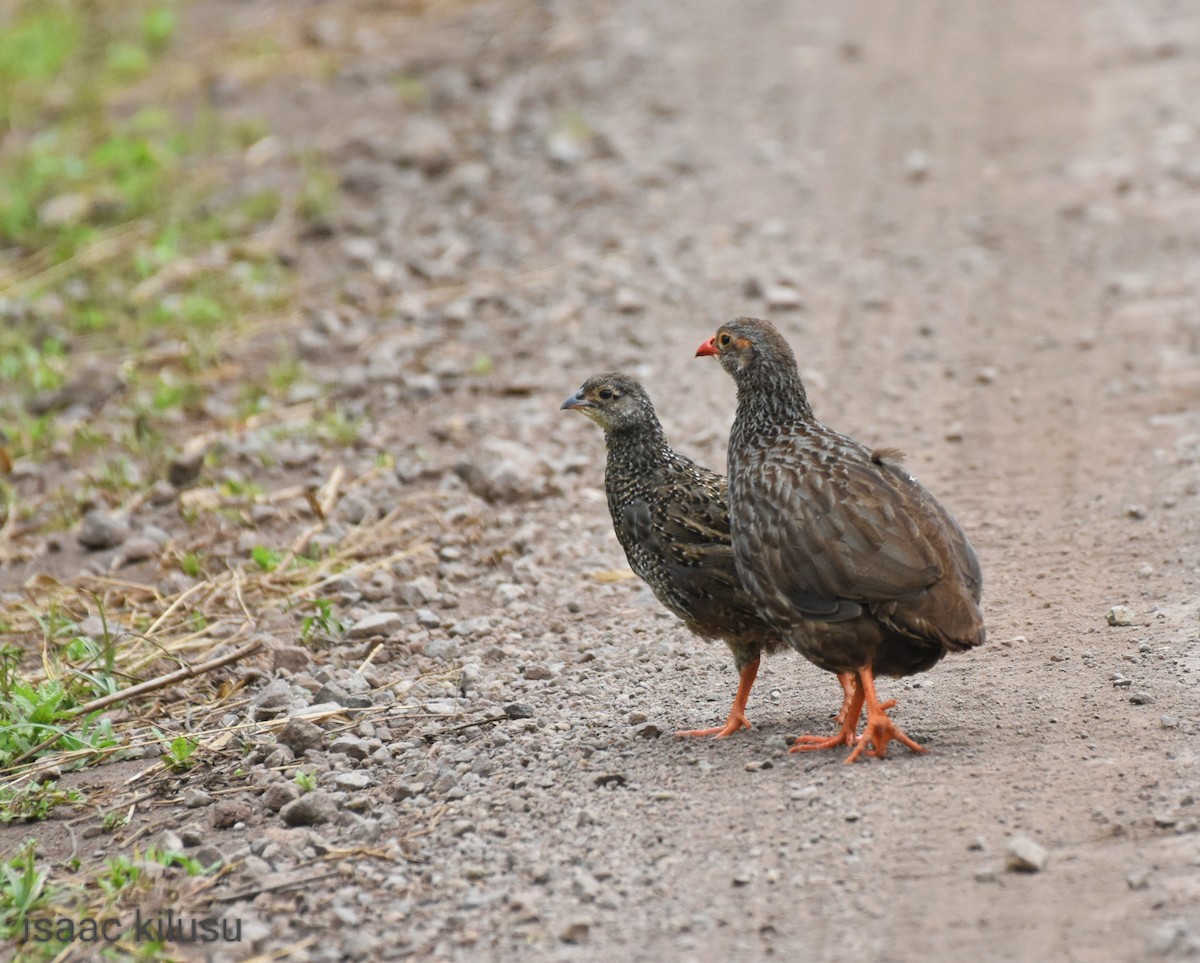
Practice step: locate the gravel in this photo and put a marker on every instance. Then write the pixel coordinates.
(100, 530)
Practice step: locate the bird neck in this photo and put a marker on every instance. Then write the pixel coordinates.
(644, 441)
(771, 395)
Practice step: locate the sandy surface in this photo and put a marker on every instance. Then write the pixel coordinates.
(979, 226)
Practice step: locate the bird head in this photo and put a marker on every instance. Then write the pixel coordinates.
(613, 401)
(740, 343)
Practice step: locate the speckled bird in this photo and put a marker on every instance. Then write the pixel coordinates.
(672, 518)
(848, 555)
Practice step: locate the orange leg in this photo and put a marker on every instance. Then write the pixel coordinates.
(737, 715)
(848, 680)
(848, 717)
(879, 730)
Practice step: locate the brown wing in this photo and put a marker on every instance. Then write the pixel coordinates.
(830, 528)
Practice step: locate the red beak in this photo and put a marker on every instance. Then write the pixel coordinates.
(708, 348)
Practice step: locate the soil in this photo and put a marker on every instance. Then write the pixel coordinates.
(979, 226)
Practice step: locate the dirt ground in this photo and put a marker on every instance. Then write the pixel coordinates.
(979, 226)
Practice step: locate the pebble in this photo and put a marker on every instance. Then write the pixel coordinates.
(419, 591)
(310, 809)
(426, 144)
(139, 549)
(518, 710)
(429, 619)
(1141, 699)
(1170, 937)
(471, 628)
(350, 745)
(577, 931)
(300, 735)
(783, 297)
(353, 781)
(276, 695)
(279, 794)
(538, 672)
(230, 812)
(332, 692)
(916, 165)
(1119, 615)
(65, 210)
(290, 657)
(194, 798)
(1025, 855)
(100, 530)
(377, 623)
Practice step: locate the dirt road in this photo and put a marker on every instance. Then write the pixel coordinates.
(979, 226)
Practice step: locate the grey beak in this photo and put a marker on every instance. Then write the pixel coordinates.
(576, 401)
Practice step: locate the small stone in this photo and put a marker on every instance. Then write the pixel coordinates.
(230, 812)
(194, 798)
(168, 842)
(419, 591)
(1138, 879)
(309, 809)
(1025, 856)
(629, 302)
(576, 931)
(184, 469)
(139, 549)
(290, 657)
(65, 210)
(210, 857)
(407, 790)
(100, 530)
(300, 735)
(350, 745)
(1168, 722)
(518, 710)
(426, 144)
(279, 794)
(648, 731)
(1141, 699)
(192, 834)
(428, 619)
(1169, 937)
(441, 708)
(1119, 615)
(759, 764)
(377, 623)
(277, 695)
(471, 628)
(783, 297)
(353, 781)
(637, 718)
(1165, 820)
(916, 165)
(537, 673)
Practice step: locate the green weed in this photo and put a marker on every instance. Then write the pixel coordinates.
(33, 801)
(23, 889)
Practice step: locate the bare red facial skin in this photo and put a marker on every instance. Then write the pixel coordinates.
(708, 348)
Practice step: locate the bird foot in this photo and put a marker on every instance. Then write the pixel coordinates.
(879, 731)
(843, 737)
(735, 723)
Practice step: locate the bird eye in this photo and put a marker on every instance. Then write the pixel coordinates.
(725, 339)
(606, 394)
